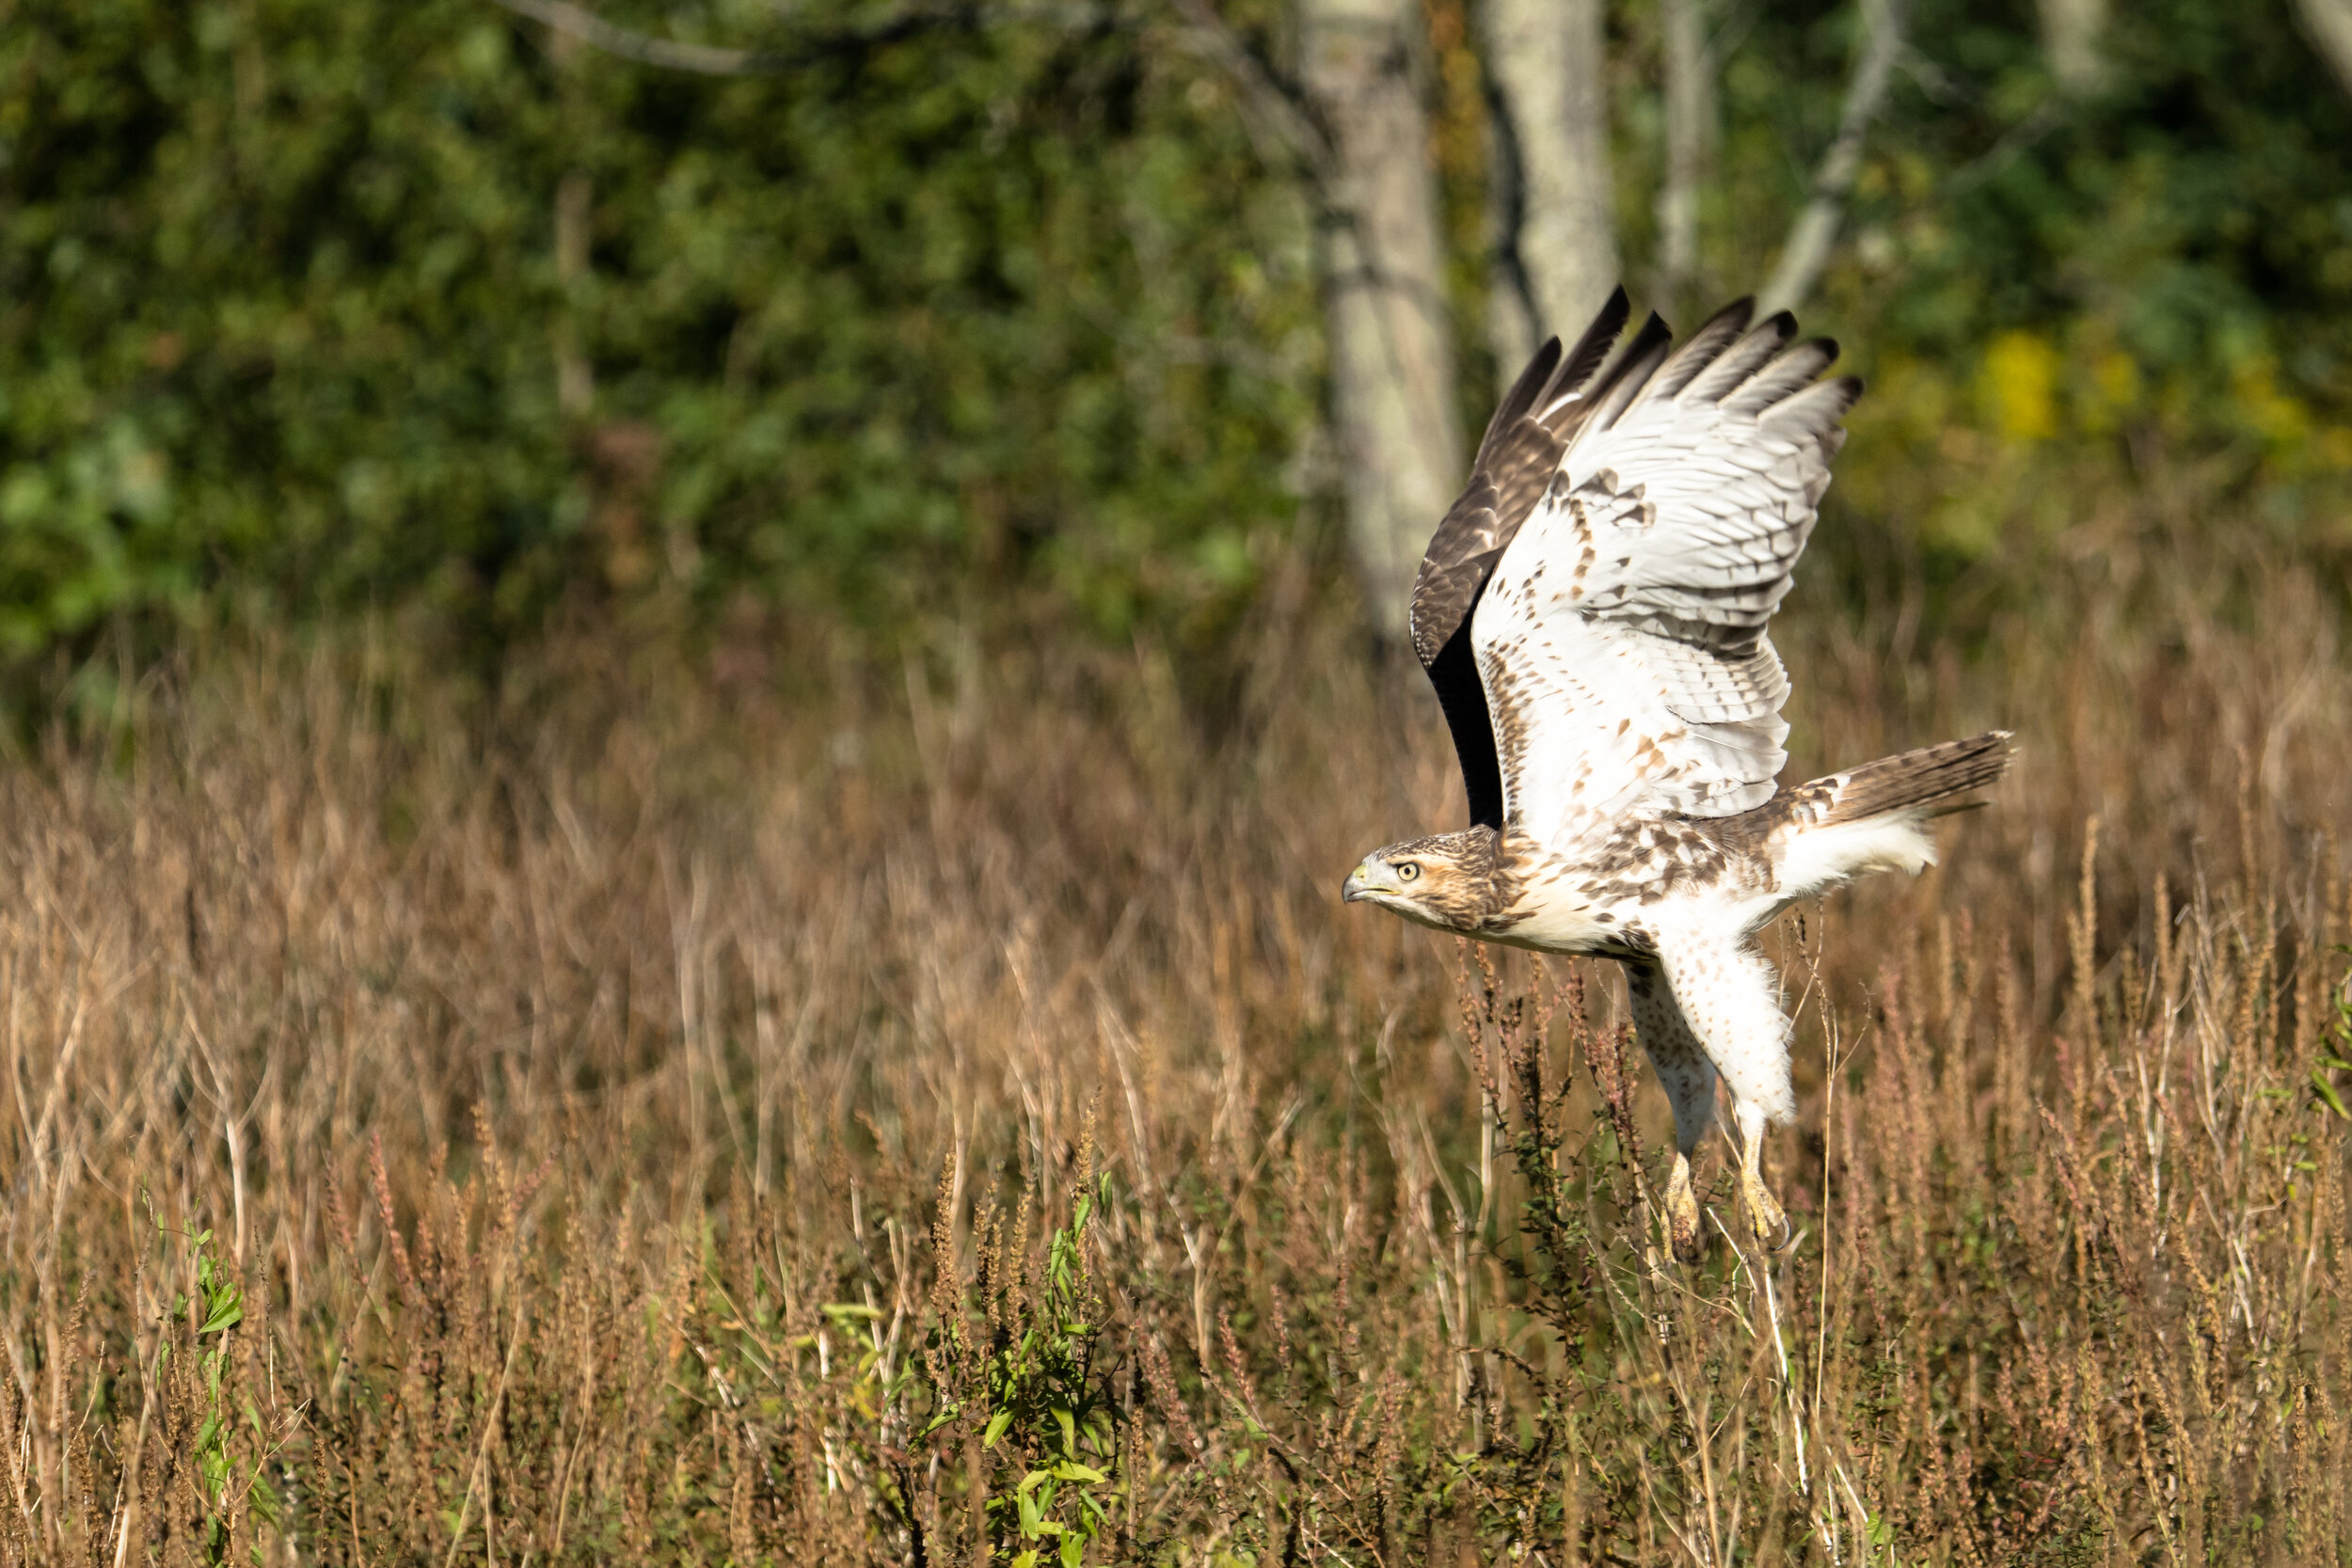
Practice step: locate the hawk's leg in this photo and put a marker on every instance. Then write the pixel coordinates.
(1725, 992)
(1770, 1222)
(1689, 1080)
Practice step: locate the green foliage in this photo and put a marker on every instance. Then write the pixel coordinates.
(285, 313)
(2050, 293)
(226, 1482)
(1051, 1372)
(2328, 1062)
(315, 305)
(2056, 296)
(1035, 1388)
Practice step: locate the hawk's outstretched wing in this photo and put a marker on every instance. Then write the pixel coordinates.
(1619, 637)
(1517, 458)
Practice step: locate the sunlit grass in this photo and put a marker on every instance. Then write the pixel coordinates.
(942, 1105)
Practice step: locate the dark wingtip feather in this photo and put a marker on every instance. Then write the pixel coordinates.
(1715, 334)
(1591, 349)
(1523, 395)
(1540, 366)
(1628, 373)
(1614, 311)
(1736, 315)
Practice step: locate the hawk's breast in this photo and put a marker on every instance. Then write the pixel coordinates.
(1593, 898)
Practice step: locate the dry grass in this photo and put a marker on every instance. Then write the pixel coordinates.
(867, 1115)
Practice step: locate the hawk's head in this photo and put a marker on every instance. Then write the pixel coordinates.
(1446, 883)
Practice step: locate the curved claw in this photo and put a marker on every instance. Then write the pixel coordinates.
(1767, 1221)
(1683, 1226)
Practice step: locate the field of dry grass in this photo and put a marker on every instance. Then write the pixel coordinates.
(778, 1107)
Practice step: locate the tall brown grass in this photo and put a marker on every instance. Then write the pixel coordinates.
(780, 1105)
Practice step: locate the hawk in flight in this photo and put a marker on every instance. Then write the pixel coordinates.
(1591, 613)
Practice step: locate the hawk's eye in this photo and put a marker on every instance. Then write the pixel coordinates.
(1408, 871)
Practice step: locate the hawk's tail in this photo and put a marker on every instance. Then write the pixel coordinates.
(1874, 818)
(1922, 782)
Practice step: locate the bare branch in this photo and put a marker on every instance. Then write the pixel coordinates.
(1816, 231)
(1274, 110)
(576, 21)
(590, 28)
(2015, 143)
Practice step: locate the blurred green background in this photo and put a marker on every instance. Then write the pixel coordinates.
(315, 307)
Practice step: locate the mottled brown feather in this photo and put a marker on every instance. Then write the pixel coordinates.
(1908, 781)
(1516, 460)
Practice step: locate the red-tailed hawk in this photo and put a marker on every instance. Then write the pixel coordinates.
(1591, 613)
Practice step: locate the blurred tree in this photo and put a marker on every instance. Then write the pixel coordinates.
(1688, 87)
(1807, 250)
(315, 304)
(1390, 339)
(2057, 299)
(2330, 24)
(2071, 33)
(1549, 74)
(1353, 127)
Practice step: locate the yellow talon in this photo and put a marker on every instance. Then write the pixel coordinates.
(1767, 1219)
(1682, 1215)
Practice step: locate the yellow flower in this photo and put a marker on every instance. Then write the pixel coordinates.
(2019, 385)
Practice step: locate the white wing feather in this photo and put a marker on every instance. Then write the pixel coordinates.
(1621, 641)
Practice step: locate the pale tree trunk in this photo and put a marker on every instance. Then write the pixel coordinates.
(2071, 39)
(575, 378)
(1816, 231)
(2330, 24)
(574, 196)
(1689, 142)
(1391, 344)
(1512, 326)
(1545, 60)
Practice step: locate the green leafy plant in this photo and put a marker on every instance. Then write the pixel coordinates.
(225, 1479)
(1037, 1386)
(2330, 1061)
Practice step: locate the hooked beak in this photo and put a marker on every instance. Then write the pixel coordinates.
(1362, 882)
